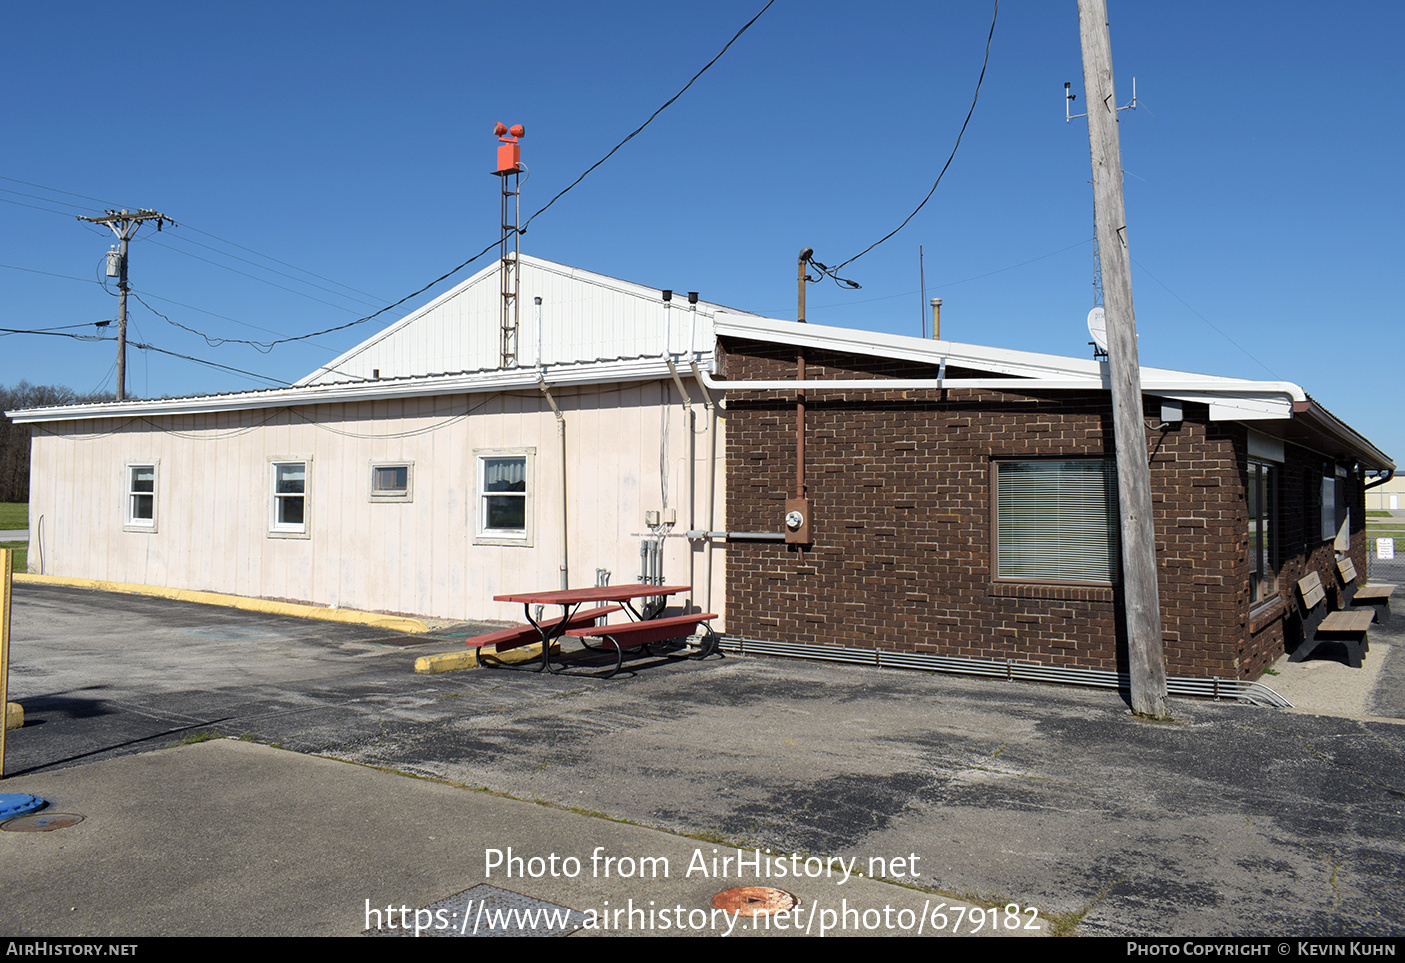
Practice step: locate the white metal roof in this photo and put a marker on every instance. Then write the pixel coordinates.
(1230, 399)
(601, 330)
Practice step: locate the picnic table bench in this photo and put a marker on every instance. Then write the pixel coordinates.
(1374, 595)
(516, 636)
(1321, 625)
(632, 634)
(639, 632)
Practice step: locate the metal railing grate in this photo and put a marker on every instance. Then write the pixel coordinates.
(1010, 670)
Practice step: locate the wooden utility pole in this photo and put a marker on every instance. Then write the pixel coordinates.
(124, 224)
(1142, 605)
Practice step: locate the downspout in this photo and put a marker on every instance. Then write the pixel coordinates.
(805, 256)
(711, 407)
(687, 419)
(561, 433)
(1386, 476)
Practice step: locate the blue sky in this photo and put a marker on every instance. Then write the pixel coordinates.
(354, 141)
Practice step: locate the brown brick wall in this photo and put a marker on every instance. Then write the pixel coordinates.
(902, 553)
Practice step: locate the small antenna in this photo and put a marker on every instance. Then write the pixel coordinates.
(1070, 97)
(1097, 319)
(922, 279)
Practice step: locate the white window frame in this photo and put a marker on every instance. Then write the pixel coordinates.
(503, 536)
(407, 494)
(1329, 507)
(276, 528)
(1043, 535)
(131, 521)
(1261, 508)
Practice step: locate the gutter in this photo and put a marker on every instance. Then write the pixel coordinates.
(494, 380)
(1386, 476)
(1316, 418)
(1278, 390)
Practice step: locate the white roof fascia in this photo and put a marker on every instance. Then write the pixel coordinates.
(1230, 398)
(389, 330)
(476, 382)
(680, 298)
(922, 350)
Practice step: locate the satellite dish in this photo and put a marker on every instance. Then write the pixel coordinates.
(1097, 327)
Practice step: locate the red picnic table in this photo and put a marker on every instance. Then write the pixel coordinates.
(579, 624)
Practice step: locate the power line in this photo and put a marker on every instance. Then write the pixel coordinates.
(49, 200)
(222, 317)
(66, 277)
(1202, 317)
(976, 97)
(214, 342)
(100, 202)
(668, 103)
(50, 210)
(54, 333)
(275, 260)
(187, 240)
(283, 274)
(145, 347)
(57, 327)
(255, 277)
(212, 364)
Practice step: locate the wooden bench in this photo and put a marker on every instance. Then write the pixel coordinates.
(1348, 628)
(520, 635)
(628, 635)
(1374, 595)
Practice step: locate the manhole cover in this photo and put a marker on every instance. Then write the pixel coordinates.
(755, 901)
(41, 824)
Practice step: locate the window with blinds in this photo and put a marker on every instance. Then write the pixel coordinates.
(1056, 521)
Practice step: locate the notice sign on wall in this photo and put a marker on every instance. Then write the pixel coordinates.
(1385, 548)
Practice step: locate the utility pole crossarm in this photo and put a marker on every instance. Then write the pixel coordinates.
(129, 219)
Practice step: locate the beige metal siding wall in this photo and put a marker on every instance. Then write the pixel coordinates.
(418, 557)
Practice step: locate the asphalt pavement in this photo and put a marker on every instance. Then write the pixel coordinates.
(1052, 803)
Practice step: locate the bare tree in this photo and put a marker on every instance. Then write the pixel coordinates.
(14, 439)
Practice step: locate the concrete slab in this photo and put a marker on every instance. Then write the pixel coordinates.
(226, 838)
(1236, 820)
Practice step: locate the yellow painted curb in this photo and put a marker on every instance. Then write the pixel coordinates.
(391, 623)
(468, 659)
(14, 715)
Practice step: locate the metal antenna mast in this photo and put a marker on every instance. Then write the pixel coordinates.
(1069, 98)
(510, 166)
(124, 224)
